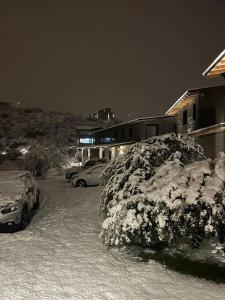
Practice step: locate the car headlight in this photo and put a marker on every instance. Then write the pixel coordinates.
(7, 209)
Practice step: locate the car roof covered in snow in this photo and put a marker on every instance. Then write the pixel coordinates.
(11, 186)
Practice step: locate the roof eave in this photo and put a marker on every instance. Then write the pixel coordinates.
(212, 65)
(179, 99)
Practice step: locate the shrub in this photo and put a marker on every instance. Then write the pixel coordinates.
(37, 160)
(162, 190)
(40, 159)
(141, 160)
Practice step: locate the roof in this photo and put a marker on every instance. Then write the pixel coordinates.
(217, 67)
(208, 130)
(84, 127)
(106, 145)
(188, 97)
(134, 121)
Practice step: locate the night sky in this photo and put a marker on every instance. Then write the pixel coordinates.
(135, 56)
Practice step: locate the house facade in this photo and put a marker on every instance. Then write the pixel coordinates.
(116, 140)
(198, 112)
(85, 141)
(201, 114)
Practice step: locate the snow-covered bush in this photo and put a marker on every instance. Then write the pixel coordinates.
(57, 157)
(37, 160)
(40, 159)
(141, 161)
(152, 197)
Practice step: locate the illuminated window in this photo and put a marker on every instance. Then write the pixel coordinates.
(86, 141)
(107, 139)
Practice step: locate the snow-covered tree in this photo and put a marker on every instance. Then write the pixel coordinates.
(37, 160)
(57, 157)
(163, 190)
(40, 159)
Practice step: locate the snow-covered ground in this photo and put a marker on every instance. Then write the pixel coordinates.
(60, 256)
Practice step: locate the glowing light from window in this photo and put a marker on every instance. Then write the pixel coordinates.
(86, 141)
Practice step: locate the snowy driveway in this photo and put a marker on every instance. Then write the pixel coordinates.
(60, 257)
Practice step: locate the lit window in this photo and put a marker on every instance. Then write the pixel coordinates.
(107, 139)
(86, 141)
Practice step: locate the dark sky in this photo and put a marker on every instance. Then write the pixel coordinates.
(135, 56)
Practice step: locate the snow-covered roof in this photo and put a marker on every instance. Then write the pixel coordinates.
(217, 67)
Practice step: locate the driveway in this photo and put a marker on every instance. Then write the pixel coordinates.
(60, 256)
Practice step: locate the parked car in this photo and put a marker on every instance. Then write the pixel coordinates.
(88, 177)
(19, 197)
(87, 164)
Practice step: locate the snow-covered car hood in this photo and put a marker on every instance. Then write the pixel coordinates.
(12, 188)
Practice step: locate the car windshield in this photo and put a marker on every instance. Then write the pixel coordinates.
(89, 163)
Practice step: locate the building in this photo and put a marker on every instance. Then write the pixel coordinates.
(85, 140)
(198, 112)
(201, 114)
(105, 114)
(116, 140)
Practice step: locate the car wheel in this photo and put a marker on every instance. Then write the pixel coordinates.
(71, 176)
(25, 218)
(81, 183)
(37, 203)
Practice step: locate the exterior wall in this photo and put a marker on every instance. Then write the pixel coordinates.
(211, 107)
(191, 123)
(210, 110)
(212, 143)
(136, 131)
(84, 136)
(106, 140)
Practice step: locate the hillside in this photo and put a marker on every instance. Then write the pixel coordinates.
(26, 125)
